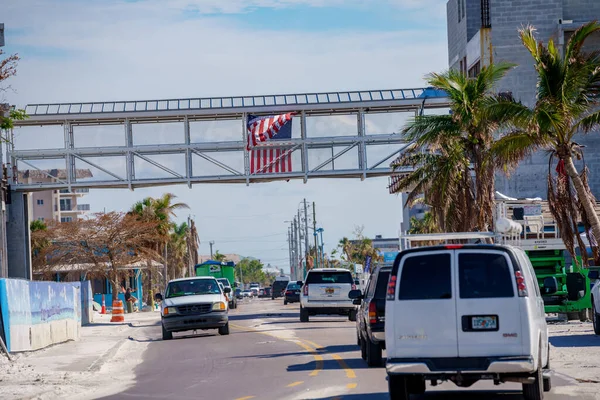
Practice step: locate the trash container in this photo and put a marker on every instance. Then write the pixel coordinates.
(129, 307)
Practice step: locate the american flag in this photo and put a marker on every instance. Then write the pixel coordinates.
(265, 159)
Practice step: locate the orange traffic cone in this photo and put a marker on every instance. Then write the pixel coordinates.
(103, 310)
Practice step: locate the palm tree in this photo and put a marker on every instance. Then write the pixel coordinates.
(219, 257)
(452, 155)
(566, 104)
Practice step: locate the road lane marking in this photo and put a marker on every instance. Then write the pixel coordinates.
(295, 384)
(349, 371)
(245, 398)
(352, 385)
(318, 358)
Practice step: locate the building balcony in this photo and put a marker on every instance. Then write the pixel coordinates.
(75, 209)
(74, 192)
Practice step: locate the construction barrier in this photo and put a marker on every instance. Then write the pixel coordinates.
(117, 312)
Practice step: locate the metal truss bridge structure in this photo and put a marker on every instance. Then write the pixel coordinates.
(126, 115)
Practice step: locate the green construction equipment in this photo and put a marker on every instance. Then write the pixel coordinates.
(218, 269)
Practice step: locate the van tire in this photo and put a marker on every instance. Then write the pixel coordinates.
(363, 348)
(416, 385)
(535, 390)
(224, 330)
(596, 318)
(166, 335)
(398, 388)
(352, 315)
(303, 315)
(285, 302)
(547, 385)
(373, 354)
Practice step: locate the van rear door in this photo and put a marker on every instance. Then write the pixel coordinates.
(422, 314)
(488, 306)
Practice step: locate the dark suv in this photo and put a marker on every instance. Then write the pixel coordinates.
(370, 319)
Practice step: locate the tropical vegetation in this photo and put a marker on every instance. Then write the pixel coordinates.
(455, 157)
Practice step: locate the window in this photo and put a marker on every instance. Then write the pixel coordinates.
(464, 8)
(329, 277)
(41, 219)
(484, 275)
(461, 66)
(475, 70)
(382, 283)
(426, 277)
(65, 205)
(486, 21)
(66, 219)
(459, 9)
(464, 71)
(40, 202)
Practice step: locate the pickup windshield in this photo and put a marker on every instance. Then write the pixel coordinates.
(192, 287)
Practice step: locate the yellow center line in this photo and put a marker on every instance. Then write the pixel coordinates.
(349, 371)
(245, 398)
(352, 385)
(295, 384)
(318, 358)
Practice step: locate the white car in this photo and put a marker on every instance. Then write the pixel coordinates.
(466, 313)
(595, 275)
(194, 303)
(325, 291)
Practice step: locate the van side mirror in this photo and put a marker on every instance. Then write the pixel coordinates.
(550, 285)
(594, 274)
(355, 295)
(227, 290)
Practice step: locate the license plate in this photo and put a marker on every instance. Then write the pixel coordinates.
(484, 323)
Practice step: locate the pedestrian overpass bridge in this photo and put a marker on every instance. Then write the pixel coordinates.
(358, 105)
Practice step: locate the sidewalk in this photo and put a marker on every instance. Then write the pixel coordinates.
(101, 362)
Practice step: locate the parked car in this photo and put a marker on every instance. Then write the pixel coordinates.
(465, 313)
(232, 299)
(325, 291)
(238, 294)
(595, 275)
(292, 293)
(194, 303)
(370, 318)
(255, 291)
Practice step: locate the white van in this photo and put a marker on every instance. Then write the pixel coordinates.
(465, 313)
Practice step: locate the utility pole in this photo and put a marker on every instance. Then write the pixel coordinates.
(290, 254)
(301, 255)
(211, 245)
(296, 254)
(315, 231)
(306, 249)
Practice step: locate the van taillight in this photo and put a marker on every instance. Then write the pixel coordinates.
(372, 313)
(521, 286)
(305, 288)
(391, 291)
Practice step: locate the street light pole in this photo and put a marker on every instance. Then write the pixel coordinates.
(315, 233)
(211, 245)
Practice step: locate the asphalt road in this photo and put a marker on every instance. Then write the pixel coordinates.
(271, 355)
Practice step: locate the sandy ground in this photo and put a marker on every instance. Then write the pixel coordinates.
(103, 360)
(100, 363)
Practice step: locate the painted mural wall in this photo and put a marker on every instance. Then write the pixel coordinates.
(37, 314)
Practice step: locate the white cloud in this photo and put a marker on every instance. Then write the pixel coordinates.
(127, 51)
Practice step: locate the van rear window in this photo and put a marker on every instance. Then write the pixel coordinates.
(329, 277)
(484, 275)
(426, 277)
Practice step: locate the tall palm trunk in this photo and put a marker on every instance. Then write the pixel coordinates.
(584, 199)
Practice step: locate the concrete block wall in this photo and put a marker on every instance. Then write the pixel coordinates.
(457, 34)
(507, 16)
(38, 314)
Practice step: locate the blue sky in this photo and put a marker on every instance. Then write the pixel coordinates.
(129, 50)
